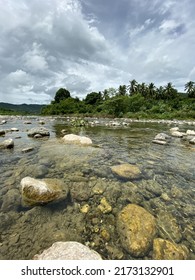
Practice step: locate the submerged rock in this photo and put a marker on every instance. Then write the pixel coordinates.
(178, 134)
(137, 229)
(7, 144)
(3, 122)
(11, 200)
(2, 132)
(73, 138)
(160, 142)
(161, 139)
(174, 128)
(27, 150)
(126, 170)
(38, 130)
(168, 226)
(192, 141)
(36, 192)
(162, 136)
(166, 250)
(14, 129)
(68, 251)
(104, 206)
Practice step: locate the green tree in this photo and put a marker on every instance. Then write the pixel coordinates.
(190, 89)
(61, 94)
(133, 87)
(93, 98)
(151, 91)
(169, 91)
(122, 90)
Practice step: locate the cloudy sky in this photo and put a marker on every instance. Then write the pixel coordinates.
(91, 45)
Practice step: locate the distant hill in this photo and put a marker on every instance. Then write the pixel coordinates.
(21, 108)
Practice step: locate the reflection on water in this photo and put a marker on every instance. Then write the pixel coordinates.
(165, 188)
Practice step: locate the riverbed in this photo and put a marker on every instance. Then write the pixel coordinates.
(165, 187)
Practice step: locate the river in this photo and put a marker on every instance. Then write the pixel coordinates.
(165, 187)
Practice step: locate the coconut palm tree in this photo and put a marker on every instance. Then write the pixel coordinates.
(151, 90)
(133, 87)
(190, 89)
(170, 92)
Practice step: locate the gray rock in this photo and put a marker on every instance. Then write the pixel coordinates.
(178, 134)
(168, 226)
(190, 132)
(2, 132)
(38, 130)
(27, 150)
(11, 200)
(162, 136)
(68, 251)
(160, 142)
(192, 141)
(7, 144)
(14, 129)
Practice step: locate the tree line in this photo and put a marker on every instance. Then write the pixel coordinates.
(133, 100)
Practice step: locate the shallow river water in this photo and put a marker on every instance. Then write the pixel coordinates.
(165, 187)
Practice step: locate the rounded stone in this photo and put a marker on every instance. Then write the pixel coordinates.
(38, 130)
(72, 138)
(68, 251)
(137, 229)
(7, 144)
(126, 170)
(166, 250)
(42, 191)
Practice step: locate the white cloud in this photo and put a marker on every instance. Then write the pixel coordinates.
(45, 45)
(35, 59)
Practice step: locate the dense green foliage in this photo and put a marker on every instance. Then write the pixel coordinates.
(133, 101)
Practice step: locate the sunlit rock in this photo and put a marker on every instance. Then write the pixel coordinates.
(192, 141)
(178, 134)
(7, 144)
(190, 132)
(36, 192)
(136, 228)
(14, 129)
(166, 250)
(68, 251)
(104, 206)
(77, 139)
(126, 170)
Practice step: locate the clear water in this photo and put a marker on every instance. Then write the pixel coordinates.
(166, 187)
